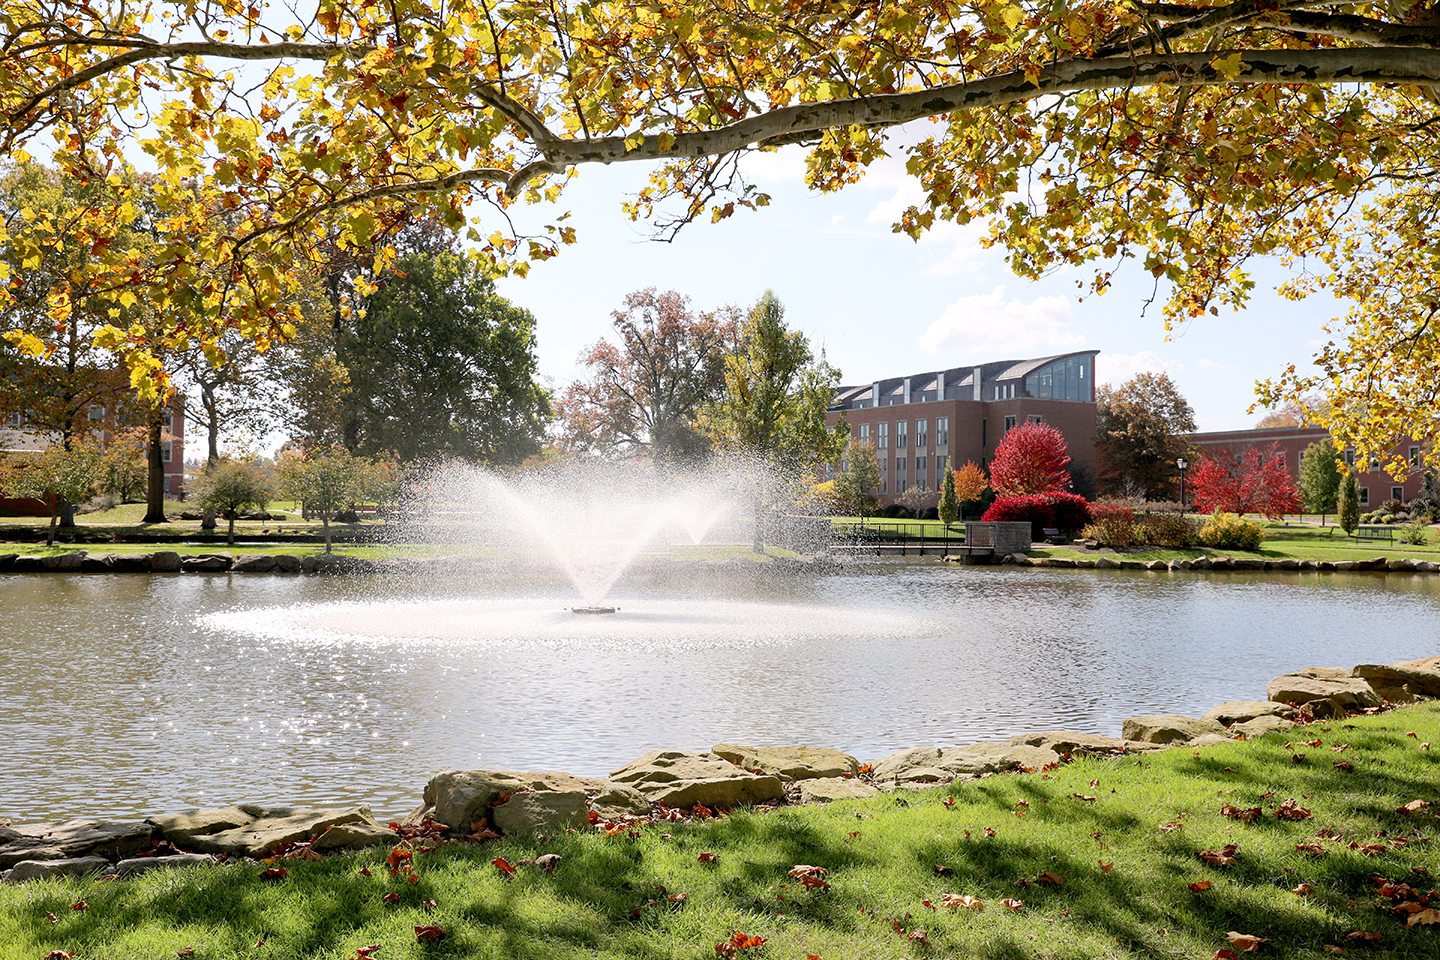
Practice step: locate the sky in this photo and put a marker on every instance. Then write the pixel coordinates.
(882, 305)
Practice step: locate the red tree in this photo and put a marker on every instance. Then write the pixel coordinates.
(1030, 459)
(1255, 483)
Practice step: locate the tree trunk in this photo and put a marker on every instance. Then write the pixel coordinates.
(325, 524)
(212, 426)
(54, 513)
(229, 534)
(155, 494)
(67, 513)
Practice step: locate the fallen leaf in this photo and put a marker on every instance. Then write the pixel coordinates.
(1337, 951)
(1172, 825)
(429, 932)
(1010, 904)
(503, 866)
(51, 917)
(1224, 953)
(184, 951)
(941, 869)
(1200, 886)
(1235, 813)
(738, 941)
(366, 951)
(1346, 766)
(365, 872)
(1291, 810)
(1218, 858)
(1244, 942)
(955, 901)
(429, 905)
(79, 905)
(1106, 865)
(708, 857)
(1051, 880)
(1085, 797)
(1304, 890)
(1363, 935)
(390, 898)
(1413, 806)
(58, 955)
(274, 873)
(989, 831)
(918, 936)
(1311, 847)
(811, 878)
(1425, 915)
(548, 862)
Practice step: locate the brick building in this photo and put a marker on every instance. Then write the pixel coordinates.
(1376, 486)
(926, 423)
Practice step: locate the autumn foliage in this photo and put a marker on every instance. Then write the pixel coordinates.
(970, 482)
(1063, 511)
(1030, 459)
(1257, 482)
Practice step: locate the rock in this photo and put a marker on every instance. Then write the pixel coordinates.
(825, 789)
(130, 562)
(1107, 563)
(1222, 563)
(138, 865)
(191, 515)
(1132, 564)
(1418, 677)
(547, 812)
(1309, 565)
(273, 828)
(1323, 683)
(330, 563)
(63, 562)
(288, 563)
(1062, 562)
(165, 561)
(255, 563)
(1208, 740)
(1328, 566)
(1156, 565)
(789, 763)
(98, 563)
(1168, 728)
(1238, 711)
(458, 797)
(1249, 563)
(1427, 566)
(1345, 565)
(1261, 725)
(930, 765)
(68, 867)
(27, 565)
(353, 836)
(207, 563)
(1374, 563)
(1200, 563)
(73, 838)
(1017, 559)
(1067, 743)
(181, 828)
(7, 560)
(1085, 563)
(618, 800)
(684, 779)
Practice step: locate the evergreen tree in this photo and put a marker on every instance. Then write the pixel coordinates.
(949, 507)
(1349, 503)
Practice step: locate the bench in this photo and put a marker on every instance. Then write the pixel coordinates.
(1374, 533)
(1052, 535)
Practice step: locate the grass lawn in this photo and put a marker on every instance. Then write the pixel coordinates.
(1124, 857)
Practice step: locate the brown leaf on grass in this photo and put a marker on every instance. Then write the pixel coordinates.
(1235, 813)
(79, 905)
(390, 898)
(941, 869)
(1304, 890)
(1337, 951)
(1313, 848)
(1244, 942)
(1200, 886)
(956, 901)
(708, 857)
(184, 951)
(1414, 806)
(1172, 825)
(1050, 880)
(1218, 858)
(989, 831)
(927, 905)
(738, 941)
(1291, 810)
(51, 917)
(274, 873)
(1363, 936)
(503, 866)
(366, 951)
(429, 931)
(918, 936)
(1011, 904)
(1346, 766)
(429, 905)
(1391, 890)
(1425, 915)
(1370, 849)
(1106, 865)
(811, 878)
(58, 955)
(1085, 797)
(1224, 953)
(548, 862)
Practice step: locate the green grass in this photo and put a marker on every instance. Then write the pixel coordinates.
(1126, 857)
(1283, 541)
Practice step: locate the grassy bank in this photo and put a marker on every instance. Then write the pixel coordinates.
(1101, 858)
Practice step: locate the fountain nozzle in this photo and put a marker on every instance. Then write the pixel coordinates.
(594, 609)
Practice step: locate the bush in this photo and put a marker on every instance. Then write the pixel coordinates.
(1227, 531)
(896, 511)
(1065, 512)
(1168, 530)
(1416, 532)
(1114, 530)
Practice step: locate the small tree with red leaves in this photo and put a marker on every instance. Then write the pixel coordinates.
(1257, 482)
(1030, 459)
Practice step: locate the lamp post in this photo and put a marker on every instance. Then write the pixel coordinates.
(1182, 464)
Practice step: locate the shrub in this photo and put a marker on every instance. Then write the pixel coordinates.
(1065, 512)
(1168, 530)
(1416, 532)
(1227, 531)
(1114, 530)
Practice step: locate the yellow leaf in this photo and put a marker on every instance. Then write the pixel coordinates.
(1229, 67)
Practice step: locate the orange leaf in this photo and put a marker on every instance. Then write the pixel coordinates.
(184, 951)
(1106, 865)
(1218, 858)
(1363, 935)
(429, 932)
(504, 866)
(1427, 915)
(1337, 951)
(1010, 904)
(1244, 942)
(390, 898)
(1051, 880)
(1225, 953)
(1304, 890)
(955, 901)
(708, 857)
(1413, 806)
(79, 905)
(274, 873)
(1200, 886)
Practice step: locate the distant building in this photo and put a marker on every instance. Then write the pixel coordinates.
(1376, 486)
(926, 423)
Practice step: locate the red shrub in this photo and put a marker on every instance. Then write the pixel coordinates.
(1066, 512)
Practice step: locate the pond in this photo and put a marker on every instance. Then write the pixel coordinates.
(131, 695)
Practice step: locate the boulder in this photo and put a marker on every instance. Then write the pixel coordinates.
(825, 789)
(1208, 740)
(1168, 728)
(1200, 563)
(617, 800)
(254, 563)
(27, 565)
(207, 563)
(921, 766)
(683, 779)
(1346, 565)
(68, 867)
(330, 563)
(1261, 725)
(287, 563)
(1107, 563)
(73, 838)
(63, 562)
(458, 797)
(1416, 677)
(548, 812)
(1323, 683)
(130, 562)
(789, 763)
(191, 515)
(274, 828)
(1238, 711)
(181, 828)
(165, 561)
(1068, 743)
(138, 865)
(97, 563)
(353, 836)
(7, 560)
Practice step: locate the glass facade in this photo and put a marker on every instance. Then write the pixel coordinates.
(922, 431)
(942, 431)
(1067, 379)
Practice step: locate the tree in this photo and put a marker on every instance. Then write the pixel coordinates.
(441, 366)
(642, 396)
(1141, 429)
(1303, 412)
(949, 506)
(123, 466)
(1256, 482)
(326, 480)
(1320, 471)
(1031, 458)
(56, 475)
(229, 487)
(970, 483)
(1349, 503)
(772, 412)
(856, 483)
(917, 499)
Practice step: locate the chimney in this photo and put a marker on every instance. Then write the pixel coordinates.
(977, 376)
(940, 385)
(907, 390)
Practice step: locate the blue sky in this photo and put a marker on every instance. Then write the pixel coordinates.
(882, 305)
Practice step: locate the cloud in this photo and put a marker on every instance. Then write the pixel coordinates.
(989, 327)
(786, 165)
(1208, 364)
(1116, 368)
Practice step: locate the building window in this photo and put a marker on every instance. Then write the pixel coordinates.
(942, 431)
(1035, 418)
(165, 452)
(1414, 456)
(95, 411)
(1364, 496)
(1010, 423)
(1067, 379)
(900, 473)
(1349, 458)
(922, 432)
(864, 433)
(15, 421)
(882, 437)
(885, 476)
(902, 434)
(1397, 493)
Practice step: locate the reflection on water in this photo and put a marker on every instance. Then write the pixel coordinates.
(133, 695)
